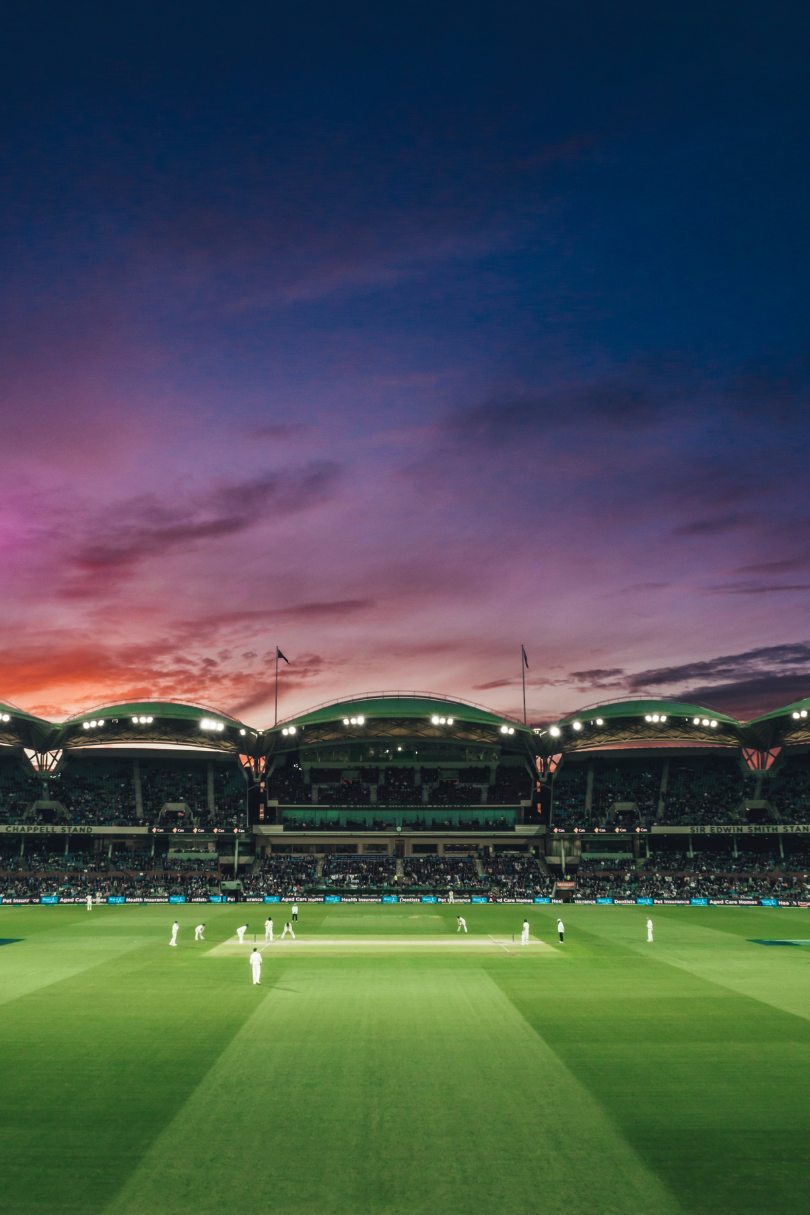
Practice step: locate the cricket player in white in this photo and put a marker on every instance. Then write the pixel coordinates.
(294, 912)
(89, 902)
(198, 932)
(649, 930)
(268, 930)
(560, 928)
(524, 936)
(175, 927)
(462, 923)
(450, 898)
(256, 965)
(240, 932)
(288, 929)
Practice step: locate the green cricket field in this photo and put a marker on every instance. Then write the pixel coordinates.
(388, 1064)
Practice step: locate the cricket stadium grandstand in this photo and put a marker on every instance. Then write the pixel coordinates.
(405, 794)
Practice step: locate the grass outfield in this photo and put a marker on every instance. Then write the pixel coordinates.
(387, 1066)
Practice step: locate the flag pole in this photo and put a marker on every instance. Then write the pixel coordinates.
(523, 677)
(286, 659)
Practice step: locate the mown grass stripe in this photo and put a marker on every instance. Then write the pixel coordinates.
(390, 1089)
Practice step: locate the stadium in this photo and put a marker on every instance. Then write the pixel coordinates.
(508, 967)
(407, 792)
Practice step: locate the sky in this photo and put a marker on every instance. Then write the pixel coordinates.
(398, 337)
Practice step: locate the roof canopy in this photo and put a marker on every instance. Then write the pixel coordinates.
(145, 723)
(639, 722)
(177, 709)
(669, 707)
(385, 705)
(791, 711)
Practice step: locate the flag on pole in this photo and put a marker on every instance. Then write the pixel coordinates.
(525, 659)
(280, 655)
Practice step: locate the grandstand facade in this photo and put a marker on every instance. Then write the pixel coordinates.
(406, 795)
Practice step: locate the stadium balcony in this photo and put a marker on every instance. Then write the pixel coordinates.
(659, 764)
(398, 763)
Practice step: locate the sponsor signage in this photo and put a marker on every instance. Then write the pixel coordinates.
(393, 898)
(124, 829)
(67, 829)
(737, 829)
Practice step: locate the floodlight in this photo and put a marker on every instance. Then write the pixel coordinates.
(795, 716)
(555, 731)
(6, 717)
(353, 721)
(135, 721)
(345, 721)
(511, 729)
(695, 721)
(802, 714)
(713, 725)
(291, 730)
(86, 724)
(450, 720)
(361, 721)
(647, 717)
(663, 717)
(243, 731)
(443, 721)
(434, 720)
(599, 721)
(504, 729)
(285, 731)
(705, 721)
(576, 725)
